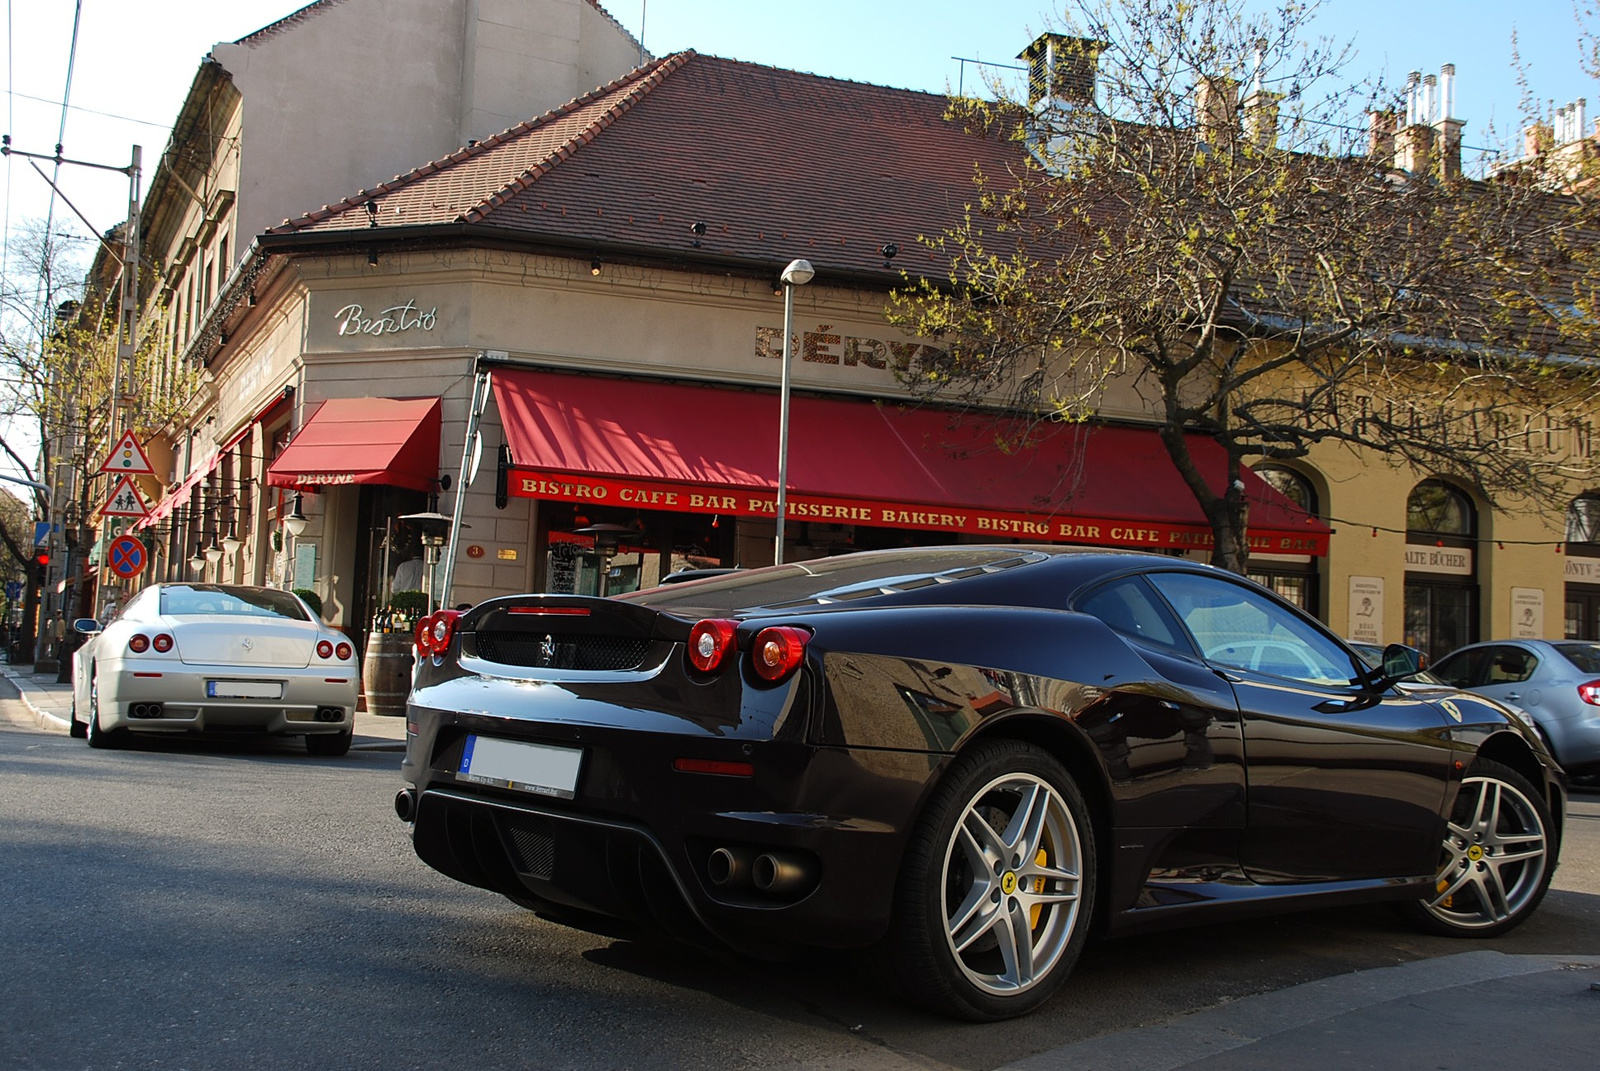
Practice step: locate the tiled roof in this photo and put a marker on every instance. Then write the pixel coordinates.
(776, 164)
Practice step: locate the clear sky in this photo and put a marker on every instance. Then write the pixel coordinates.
(135, 60)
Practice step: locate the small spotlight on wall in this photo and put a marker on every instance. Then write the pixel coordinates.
(594, 266)
(889, 251)
(699, 230)
(372, 213)
(372, 257)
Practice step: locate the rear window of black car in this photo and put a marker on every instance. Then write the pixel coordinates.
(827, 581)
(1586, 656)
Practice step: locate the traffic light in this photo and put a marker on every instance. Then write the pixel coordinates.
(41, 562)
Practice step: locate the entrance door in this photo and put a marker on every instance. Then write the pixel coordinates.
(1440, 617)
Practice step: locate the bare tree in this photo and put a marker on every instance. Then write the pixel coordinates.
(1209, 229)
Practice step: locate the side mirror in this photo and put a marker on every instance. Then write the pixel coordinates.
(1401, 661)
(88, 626)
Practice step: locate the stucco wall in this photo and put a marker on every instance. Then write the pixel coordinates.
(364, 90)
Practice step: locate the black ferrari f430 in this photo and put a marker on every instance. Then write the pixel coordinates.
(965, 759)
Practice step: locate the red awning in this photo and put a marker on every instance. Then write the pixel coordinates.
(713, 450)
(391, 441)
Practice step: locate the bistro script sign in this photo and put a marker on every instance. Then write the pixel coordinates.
(760, 502)
(353, 319)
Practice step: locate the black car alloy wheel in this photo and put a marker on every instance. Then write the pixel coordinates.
(997, 887)
(1494, 864)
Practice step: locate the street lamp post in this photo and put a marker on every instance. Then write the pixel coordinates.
(798, 273)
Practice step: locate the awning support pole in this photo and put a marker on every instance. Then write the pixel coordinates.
(480, 399)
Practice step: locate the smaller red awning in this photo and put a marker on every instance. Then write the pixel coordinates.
(390, 441)
(180, 494)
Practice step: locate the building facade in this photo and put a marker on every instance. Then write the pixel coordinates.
(602, 280)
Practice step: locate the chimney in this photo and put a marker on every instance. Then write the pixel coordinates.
(1448, 128)
(1216, 106)
(1538, 138)
(1061, 70)
(1261, 106)
(1380, 136)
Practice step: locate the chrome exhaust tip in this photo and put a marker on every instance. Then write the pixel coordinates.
(779, 872)
(730, 867)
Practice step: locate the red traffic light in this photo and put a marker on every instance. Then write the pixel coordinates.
(41, 558)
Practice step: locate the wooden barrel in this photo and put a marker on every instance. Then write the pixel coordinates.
(386, 673)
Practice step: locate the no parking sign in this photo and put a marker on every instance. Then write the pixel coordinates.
(126, 556)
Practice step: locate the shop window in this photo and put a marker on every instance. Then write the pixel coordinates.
(1441, 586)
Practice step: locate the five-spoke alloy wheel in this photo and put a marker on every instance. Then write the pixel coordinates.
(1495, 864)
(998, 886)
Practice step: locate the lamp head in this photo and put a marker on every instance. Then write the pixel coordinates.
(798, 273)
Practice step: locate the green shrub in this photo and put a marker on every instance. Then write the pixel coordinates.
(412, 603)
(312, 599)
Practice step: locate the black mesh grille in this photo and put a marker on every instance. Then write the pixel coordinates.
(563, 650)
(534, 852)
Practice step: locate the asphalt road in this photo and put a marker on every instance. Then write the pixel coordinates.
(205, 906)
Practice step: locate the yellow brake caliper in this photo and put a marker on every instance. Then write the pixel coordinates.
(1041, 859)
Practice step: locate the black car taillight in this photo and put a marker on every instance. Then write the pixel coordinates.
(778, 652)
(138, 643)
(1589, 692)
(710, 642)
(435, 631)
(162, 643)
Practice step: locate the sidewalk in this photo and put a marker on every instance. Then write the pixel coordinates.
(1456, 1012)
(51, 703)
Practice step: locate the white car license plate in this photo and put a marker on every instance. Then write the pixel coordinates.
(244, 689)
(537, 768)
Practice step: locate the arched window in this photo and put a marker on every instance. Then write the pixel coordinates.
(1293, 577)
(1291, 485)
(1441, 569)
(1436, 508)
(1583, 568)
(1583, 519)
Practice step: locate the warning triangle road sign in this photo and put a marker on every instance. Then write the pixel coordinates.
(125, 501)
(127, 456)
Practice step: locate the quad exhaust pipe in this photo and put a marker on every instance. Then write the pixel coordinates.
(330, 713)
(144, 710)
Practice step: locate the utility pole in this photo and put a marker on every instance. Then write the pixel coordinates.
(127, 334)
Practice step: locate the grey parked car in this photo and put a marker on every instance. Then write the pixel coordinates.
(1555, 681)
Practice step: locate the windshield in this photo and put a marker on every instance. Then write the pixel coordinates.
(834, 580)
(203, 599)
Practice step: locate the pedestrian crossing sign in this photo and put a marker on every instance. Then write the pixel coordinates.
(125, 501)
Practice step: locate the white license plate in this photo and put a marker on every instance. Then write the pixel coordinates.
(537, 768)
(244, 689)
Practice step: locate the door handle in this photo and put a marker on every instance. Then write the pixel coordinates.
(1513, 695)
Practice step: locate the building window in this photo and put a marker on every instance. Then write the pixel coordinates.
(1441, 587)
(1582, 619)
(1294, 578)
